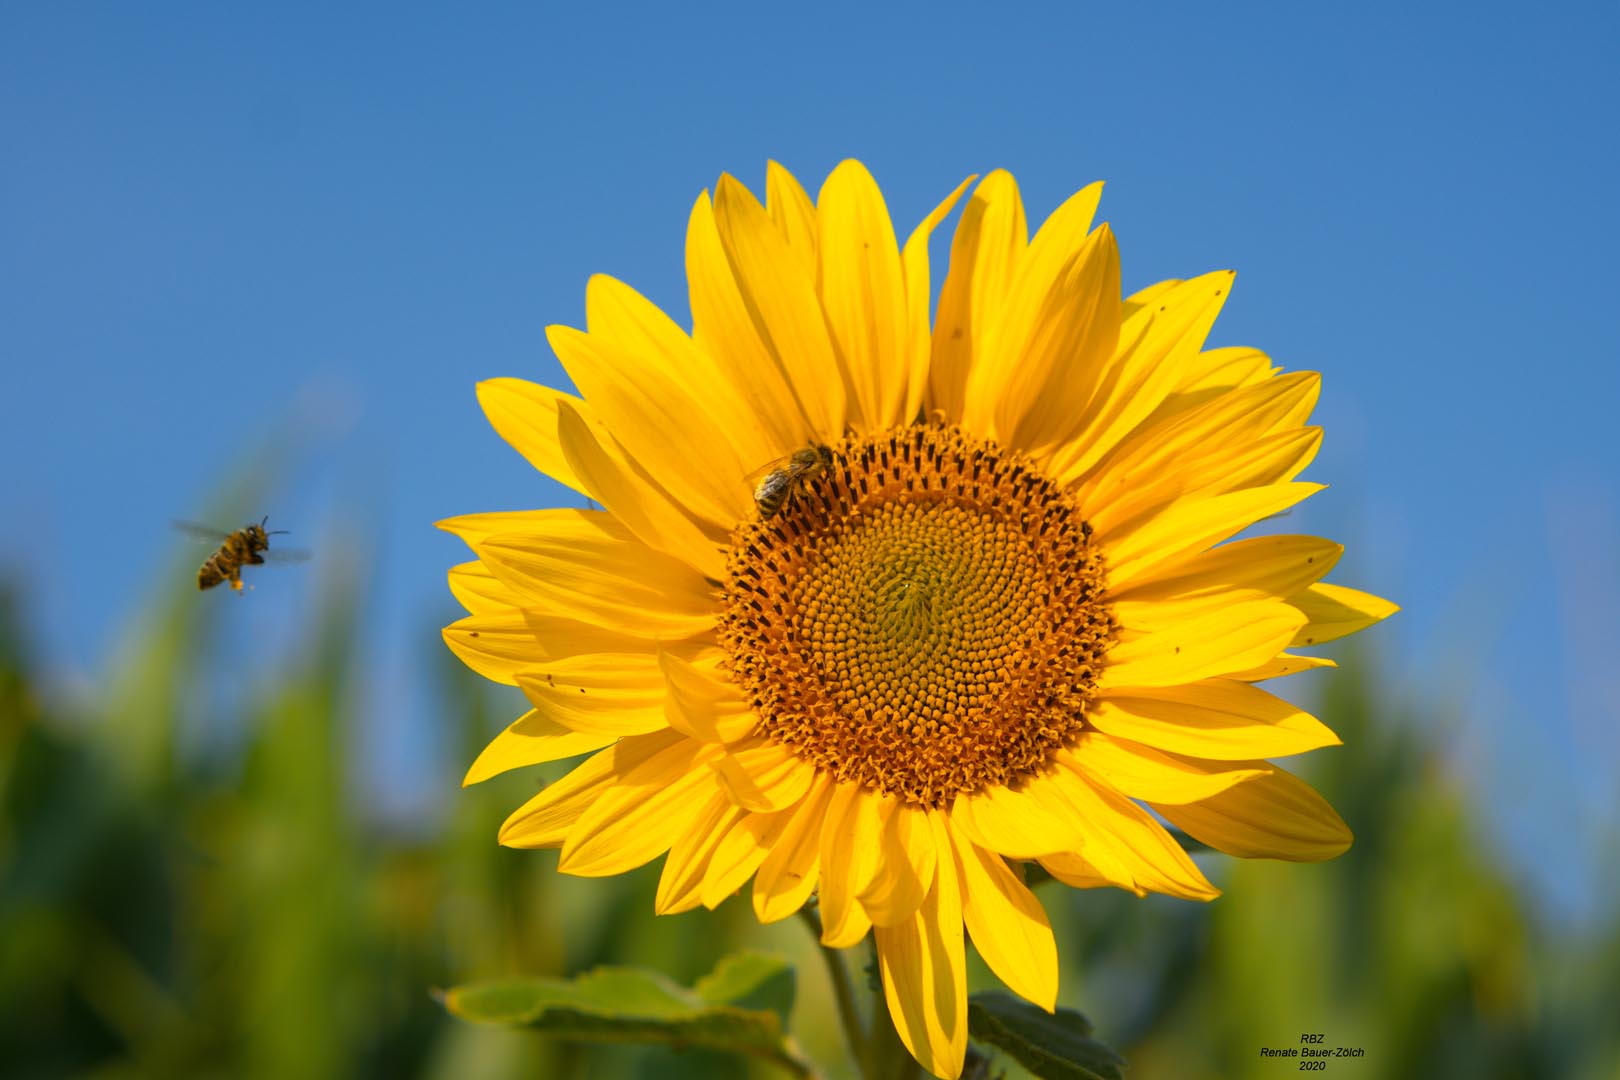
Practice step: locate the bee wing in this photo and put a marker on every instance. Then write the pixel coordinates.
(287, 555)
(203, 534)
(754, 476)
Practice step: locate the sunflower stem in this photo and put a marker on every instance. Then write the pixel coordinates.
(843, 992)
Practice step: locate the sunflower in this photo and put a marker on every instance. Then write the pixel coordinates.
(995, 618)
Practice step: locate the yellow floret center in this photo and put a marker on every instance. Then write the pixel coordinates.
(923, 617)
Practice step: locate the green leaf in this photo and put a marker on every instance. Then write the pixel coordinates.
(741, 1007)
(1054, 1046)
(750, 980)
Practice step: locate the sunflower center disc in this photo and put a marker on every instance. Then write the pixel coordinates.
(923, 617)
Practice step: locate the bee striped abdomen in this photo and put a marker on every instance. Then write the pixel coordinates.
(220, 567)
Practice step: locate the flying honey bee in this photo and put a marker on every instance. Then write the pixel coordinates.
(783, 479)
(246, 546)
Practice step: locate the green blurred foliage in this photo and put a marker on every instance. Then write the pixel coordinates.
(175, 908)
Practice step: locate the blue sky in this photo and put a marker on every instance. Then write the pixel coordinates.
(221, 226)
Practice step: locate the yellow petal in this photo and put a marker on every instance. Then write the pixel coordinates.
(1078, 872)
(1218, 370)
(615, 311)
(1217, 718)
(1270, 817)
(1335, 611)
(474, 529)
(1124, 842)
(1011, 822)
(914, 263)
(1074, 871)
(1143, 297)
(544, 820)
(627, 492)
(525, 415)
(1054, 294)
(863, 293)
(792, 212)
(1265, 566)
(702, 705)
(659, 423)
(1211, 374)
(1269, 460)
(608, 693)
(1249, 465)
(722, 328)
(556, 636)
(905, 869)
(789, 873)
(680, 885)
(1229, 639)
(497, 646)
(852, 926)
(1193, 525)
(781, 300)
(990, 239)
(851, 855)
(1141, 772)
(1008, 925)
(681, 880)
(1089, 824)
(1046, 358)
(598, 672)
(741, 851)
(760, 774)
(638, 817)
(1283, 664)
(530, 740)
(924, 969)
(1059, 236)
(1154, 347)
(1181, 454)
(584, 565)
(479, 591)
(1126, 390)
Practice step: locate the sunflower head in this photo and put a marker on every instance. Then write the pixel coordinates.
(926, 621)
(983, 608)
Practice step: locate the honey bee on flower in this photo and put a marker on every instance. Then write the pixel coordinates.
(784, 478)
